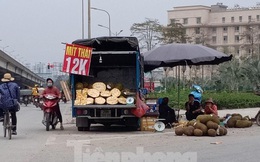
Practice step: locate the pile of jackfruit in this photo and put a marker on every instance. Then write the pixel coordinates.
(204, 125)
(238, 121)
(100, 93)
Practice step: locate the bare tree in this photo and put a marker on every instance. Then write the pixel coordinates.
(148, 33)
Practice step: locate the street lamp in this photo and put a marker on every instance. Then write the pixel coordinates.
(119, 32)
(108, 17)
(116, 34)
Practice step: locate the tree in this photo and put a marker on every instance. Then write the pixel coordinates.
(251, 38)
(173, 33)
(148, 33)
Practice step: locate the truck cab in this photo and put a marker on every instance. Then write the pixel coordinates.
(117, 63)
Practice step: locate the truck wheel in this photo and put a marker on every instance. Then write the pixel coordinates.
(83, 128)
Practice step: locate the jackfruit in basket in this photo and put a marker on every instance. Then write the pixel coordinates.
(79, 85)
(112, 100)
(100, 86)
(115, 92)
(78, 94)
(105, 93)
(122, 100)
(85, 85)
(93, 93)
(90, 101)
(100, 101)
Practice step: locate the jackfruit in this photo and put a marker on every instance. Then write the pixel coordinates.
(191, 122)
(188, 131)
(201, 126)
(179, 131)
(238, 116)
(232, 122)
(212, 125)
(198, 132)
(205, 118)
(225, 130)
(212, 132)
(243, 123)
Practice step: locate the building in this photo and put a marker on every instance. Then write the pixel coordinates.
(230, 30)
(233, 31)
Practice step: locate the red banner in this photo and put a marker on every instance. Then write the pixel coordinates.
(77, 59)
(149, 86)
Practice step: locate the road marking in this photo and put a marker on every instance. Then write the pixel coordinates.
(52, 139)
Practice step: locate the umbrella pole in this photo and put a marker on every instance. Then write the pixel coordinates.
(179, 71)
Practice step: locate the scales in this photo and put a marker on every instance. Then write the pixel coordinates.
(159, 126)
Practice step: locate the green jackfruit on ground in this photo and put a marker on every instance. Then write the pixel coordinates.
(232, 122)
(225, 130)
(189, 130)
(202, 127)
(212, 125)
(198, 132)
(205, 118)
(179, 131)
(238, 116)
(212, 132)
(243, 123)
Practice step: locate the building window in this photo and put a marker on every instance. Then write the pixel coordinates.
(214, 30)
(249, 51)
(224, 29)
(249, 18)
(223, 19)
(232, 19)
(237, 51)
(257, 17)
(197, 30)
(172, 21)
(214, 39)
(185, 21)
(237, 38)
(225, 39)
(240, 18)
(237, 29)
(198, 20)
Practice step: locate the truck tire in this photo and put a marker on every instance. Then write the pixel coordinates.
(83, 128)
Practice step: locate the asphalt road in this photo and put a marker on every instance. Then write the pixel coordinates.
(33, 143)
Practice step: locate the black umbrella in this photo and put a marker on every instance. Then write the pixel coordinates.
(171, 55)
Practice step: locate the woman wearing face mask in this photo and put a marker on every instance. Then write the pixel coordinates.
(51, 89)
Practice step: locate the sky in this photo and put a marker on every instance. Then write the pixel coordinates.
(33, 31)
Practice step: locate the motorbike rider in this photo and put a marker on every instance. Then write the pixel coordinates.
(35, 92)
(51, 89)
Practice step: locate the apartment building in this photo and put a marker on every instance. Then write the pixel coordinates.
(230, 30)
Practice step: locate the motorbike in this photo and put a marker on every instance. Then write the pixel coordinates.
(197, 92)
(36, 101)
(257, 118)
(49, 105)
(26, 100)
(64, 99)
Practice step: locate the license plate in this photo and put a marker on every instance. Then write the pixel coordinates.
(105, 113)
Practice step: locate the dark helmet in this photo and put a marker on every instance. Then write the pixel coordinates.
(49, 79)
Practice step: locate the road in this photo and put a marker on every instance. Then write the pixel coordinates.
(33, 143)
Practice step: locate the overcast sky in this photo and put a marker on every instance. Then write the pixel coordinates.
(32, 30)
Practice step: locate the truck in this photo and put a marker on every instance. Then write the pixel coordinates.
(114, 61)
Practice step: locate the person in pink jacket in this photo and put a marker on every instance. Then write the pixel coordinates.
(210, 107)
